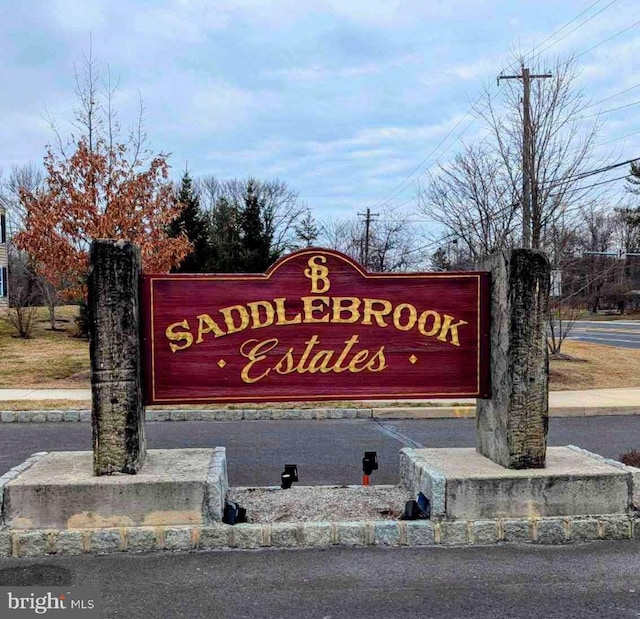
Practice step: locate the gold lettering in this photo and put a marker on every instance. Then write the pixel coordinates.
(320, 362)
(255, 355)
(211, 327)
(307, 351)
(379, 358)
(318, 274)
(310, 308)
(177, 336)
(243, 315)
(422, 323)
(397, 314)
(254, 308)
(287, 361)
(281, 311)
(350, 343)
(352, 307)
(453, 328)
(369, 312)
(359, 357)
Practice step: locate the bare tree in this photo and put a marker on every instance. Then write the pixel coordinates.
(474, 199)
(23, 291)
(598, 231)
(478, 196)
(28, 177)
(562, 243)
(393, 240)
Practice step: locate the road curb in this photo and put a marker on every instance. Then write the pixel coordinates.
(408, 412)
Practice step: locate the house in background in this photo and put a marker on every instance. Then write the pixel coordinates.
(4, 261)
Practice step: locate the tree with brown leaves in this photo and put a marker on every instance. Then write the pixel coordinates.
(98, 194)
(98, 187)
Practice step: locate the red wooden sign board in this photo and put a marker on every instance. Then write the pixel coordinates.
(316, 326)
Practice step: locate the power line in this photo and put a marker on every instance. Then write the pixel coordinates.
(610, 180)
(577, 27)
(622, 137)
(586, 107)
(397, 189)
(617, 34)
(553, 34)
(587, 173)
(403, 184)
(613, 109)
(502, 211)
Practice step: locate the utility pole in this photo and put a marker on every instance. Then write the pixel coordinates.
(367, 224)
(528, 154)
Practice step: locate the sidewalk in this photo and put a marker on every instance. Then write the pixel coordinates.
(561, 403)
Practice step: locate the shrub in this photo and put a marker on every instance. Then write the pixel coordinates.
(631, 458)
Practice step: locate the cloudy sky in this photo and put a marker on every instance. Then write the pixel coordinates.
(346, 100)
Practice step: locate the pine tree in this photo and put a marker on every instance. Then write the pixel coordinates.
(634, 178)
(256, 236)
(193, 223)
(307, 231)
(224, 238)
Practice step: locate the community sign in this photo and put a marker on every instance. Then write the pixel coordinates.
(316, 326)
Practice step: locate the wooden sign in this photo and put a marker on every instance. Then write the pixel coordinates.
(316, 326)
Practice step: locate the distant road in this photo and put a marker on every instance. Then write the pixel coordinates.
(624, 334)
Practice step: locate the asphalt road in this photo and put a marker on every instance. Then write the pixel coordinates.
(326, 452)
(624, 334)
(600, 579)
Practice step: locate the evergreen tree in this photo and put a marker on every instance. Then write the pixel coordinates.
(307, 231)
(630, 216)
(224, 238)
(193, 223)
(256, 236)
(634, 178)
(440, 260)
(251, 223)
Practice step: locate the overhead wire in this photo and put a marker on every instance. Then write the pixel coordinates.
(617, 34)
(622, 137)
(613, 109)
(617, 94)
(587, 173)
(577, 27)
(404, 183)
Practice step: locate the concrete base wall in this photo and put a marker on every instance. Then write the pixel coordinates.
(463, 484)
(175, 487)
(319, 534)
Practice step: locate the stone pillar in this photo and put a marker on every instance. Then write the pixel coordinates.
(117, 412)
(511, 427)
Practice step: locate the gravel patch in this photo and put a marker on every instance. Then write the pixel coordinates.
(325, 503)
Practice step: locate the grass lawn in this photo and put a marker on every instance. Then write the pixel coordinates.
(607, 317)
(56, 359)
(53, 359)
(594, 366)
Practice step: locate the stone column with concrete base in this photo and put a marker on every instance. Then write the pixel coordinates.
(511, 427)
(117, 412)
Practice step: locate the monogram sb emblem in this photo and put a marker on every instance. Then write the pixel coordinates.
(318, 274)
